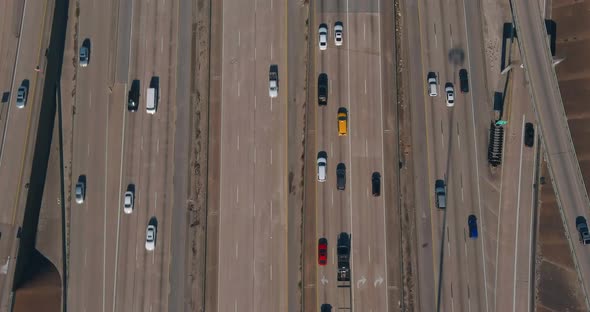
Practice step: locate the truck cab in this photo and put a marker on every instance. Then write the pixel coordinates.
(440, 194)
(343, 250)
(273, 81)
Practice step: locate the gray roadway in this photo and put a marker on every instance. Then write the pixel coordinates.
(252, 252)
(24, 38)
(110, 270)
(355, 82)
(561, 158)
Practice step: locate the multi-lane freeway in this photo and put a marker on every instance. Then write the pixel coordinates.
(144, 44)
(110, 269)
(355, 83)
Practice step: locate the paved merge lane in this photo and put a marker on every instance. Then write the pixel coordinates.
(253, 194)
(544, 91)
(23, 42)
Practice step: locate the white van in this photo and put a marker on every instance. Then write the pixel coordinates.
(322, 166)
(152, 101)
(432, 84)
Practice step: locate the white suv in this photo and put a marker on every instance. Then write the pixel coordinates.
(323, 37)
(338, 35)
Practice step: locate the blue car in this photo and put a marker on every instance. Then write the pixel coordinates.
(472, 223)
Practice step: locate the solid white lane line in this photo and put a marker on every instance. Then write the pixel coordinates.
(104, 234)
(531, 229)
(330, 87)
(517, 217)
(332, 198)
(118, 213)
(451, 34)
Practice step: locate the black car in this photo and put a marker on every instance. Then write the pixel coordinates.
(133, 96)
(322, 89)
(326, 308)
(529, 134)
(376, 183)
(464, 80)
(341, 176)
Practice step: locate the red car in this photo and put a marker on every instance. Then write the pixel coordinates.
(322, 251)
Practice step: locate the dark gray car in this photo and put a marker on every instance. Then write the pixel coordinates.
(341, 176)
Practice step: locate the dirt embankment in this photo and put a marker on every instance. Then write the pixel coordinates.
(557, 287)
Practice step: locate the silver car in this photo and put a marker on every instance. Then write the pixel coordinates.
(80, 191)
(150, 237)
(21, 96)
(83, 56)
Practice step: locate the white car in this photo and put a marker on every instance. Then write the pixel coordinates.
(21, 96)
(150, 237)
(323, 36)
(83, 56)
(322, 166)
(128, 202)
(338, 36)
(450, 94)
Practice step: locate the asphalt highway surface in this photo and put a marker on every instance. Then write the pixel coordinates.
(454, 271)
(561, 157)
(355, 83)
(252, 253)
(24, 38)
(110, 268)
